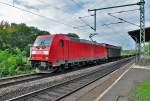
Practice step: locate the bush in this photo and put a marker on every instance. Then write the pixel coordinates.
(13, 64)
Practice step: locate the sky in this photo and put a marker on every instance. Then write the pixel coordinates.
(62, 16)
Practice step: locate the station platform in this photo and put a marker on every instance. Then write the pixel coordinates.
(114, 87)
(122, 89)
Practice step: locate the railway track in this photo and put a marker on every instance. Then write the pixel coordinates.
(10, 81)
(5, 82)
(61, 90)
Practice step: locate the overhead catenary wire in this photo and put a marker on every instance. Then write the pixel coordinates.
(111, 7)
(77, 3)
(47, 17)
(53, 20)
(55, 7)
(86, 16)
(111, 35)
(126, 20)
(108, 26)
(85, 26)
(114, 29)
(123, 20)
(112, 23)
(85, 22)
(125, 11)
(75, 27)
(109, 23)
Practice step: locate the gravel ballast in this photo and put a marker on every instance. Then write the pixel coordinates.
(12, 91)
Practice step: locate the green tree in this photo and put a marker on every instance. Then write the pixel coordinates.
(73, 35)
(147, 49)
(15, 41)
(18, 36)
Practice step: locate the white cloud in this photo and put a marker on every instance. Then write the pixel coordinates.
(67, 12)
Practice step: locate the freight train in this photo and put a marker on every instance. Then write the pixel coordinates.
(56, 52)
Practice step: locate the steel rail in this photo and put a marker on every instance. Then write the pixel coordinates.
(78, 83)
(10, 81)
(5, 82)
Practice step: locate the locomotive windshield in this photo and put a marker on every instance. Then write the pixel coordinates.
(42, 42)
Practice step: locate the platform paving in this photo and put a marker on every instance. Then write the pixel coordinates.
(120, 91)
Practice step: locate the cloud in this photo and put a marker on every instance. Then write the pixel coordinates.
(25, 4)
(66, 13)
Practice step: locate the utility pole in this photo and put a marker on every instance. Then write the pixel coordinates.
(142, 27)
(142, 21)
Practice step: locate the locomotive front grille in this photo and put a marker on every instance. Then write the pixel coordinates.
(43, 64)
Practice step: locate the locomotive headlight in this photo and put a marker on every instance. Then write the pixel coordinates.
(33, 52)
(46, 58)
(45, 52)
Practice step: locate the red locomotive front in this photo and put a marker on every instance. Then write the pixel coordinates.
(40, 49)
(46, 53)
(39, 54)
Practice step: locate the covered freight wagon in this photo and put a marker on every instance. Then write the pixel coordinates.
(113, 51)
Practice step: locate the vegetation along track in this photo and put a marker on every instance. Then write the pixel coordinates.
(61, 90)
(10, 81)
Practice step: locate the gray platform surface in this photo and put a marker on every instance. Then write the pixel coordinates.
(127, 82)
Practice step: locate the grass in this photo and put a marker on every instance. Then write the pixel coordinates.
(141, 92)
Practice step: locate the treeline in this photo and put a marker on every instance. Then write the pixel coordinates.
(146, 47)
(15, 42)
(18, 36)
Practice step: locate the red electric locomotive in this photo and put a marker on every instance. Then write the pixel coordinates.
(59, 51)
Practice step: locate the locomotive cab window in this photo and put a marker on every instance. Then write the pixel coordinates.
(61, 43)
(42, 42)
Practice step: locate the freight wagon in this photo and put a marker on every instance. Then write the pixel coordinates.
(113, 51)
(59, 51)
